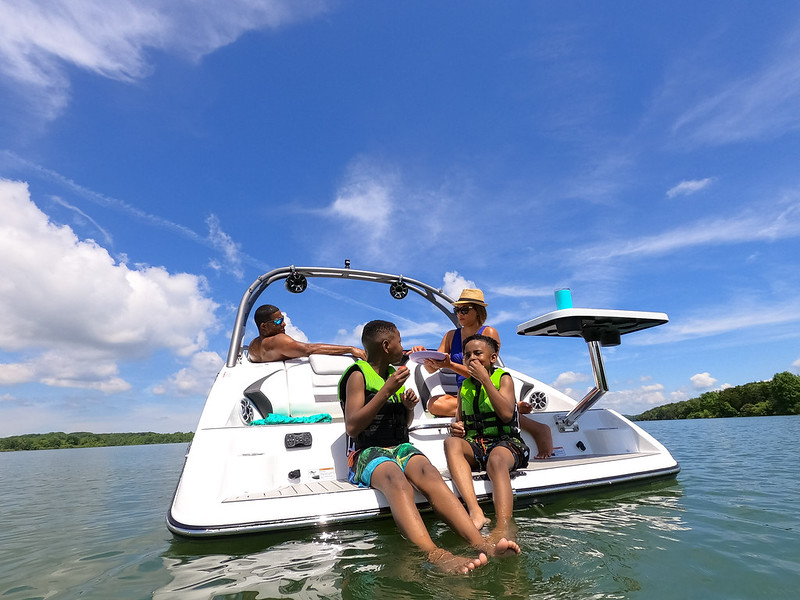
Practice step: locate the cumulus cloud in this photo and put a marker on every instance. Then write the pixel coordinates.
(568, 378)
(366, 198)
(194, 379)
(684, 188)
(68, 305)
(702, 381)
(346, 337)
(293, 331)
(454, 284)
(637, 400)
(41, 41)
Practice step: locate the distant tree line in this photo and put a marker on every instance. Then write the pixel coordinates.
(84, 439)
(780, 396)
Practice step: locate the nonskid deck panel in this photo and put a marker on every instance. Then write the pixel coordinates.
(336, 486)
(333, 486)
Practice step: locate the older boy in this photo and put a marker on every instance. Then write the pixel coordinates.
(377, 411)
(485, 434)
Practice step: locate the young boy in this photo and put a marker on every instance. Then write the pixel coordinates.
(377, 412)
(485, 434)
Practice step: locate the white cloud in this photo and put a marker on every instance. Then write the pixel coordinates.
(350, 338)
(366, 198)
(194, 379)
(224, 243)
(679, 396)
(454, 284)
(217, 239)
(40, 40)
(293, 331)
(746, 314)
(684, 188)
(702, 381)
(764, 104)
(376, 217)
(107, 239)
(513, 291)
(635, 401)
(796, 363)
(70, 313)
(568, 378)
(777, 220)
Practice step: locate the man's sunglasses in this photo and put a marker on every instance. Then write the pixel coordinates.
(277, 321)
(463, 309)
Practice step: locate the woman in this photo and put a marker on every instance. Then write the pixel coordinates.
(470, 309)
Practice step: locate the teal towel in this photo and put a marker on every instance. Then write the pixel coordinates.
(273, 419)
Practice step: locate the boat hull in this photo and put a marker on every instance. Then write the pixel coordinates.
(240, 478)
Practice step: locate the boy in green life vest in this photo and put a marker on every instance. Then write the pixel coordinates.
(377, 411)
(485, 434)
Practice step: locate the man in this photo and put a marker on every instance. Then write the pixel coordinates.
(273, 344)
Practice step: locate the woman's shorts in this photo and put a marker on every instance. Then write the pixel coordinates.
(363, 463)
(482, 446)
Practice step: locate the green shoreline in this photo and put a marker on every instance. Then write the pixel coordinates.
(84, 439)
(778, 397)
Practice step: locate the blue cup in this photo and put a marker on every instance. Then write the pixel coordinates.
(563, 298)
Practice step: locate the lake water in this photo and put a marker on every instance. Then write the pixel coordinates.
(89, 523)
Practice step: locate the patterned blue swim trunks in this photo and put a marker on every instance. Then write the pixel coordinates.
(363, 463)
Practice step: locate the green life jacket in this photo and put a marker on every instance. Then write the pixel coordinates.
(390, 425)
(479, 416)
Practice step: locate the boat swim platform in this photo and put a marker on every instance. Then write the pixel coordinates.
(337, 486)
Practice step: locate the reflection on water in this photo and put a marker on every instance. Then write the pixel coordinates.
(571, 549)
(264, 565)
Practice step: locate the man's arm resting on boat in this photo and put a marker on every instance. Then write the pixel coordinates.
(283, 347)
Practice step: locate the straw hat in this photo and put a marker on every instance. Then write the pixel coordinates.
(470, 296)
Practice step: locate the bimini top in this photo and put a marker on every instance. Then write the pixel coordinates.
(296, 280)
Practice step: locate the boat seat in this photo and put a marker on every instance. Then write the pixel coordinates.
(326, 370)
(313, 384)
(434, 384)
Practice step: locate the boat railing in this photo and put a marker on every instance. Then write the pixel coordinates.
(296, 281)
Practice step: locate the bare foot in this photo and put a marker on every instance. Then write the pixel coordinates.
(479, 519)
(541, 434)
(544, 443)
(448, 562)
(501, 548)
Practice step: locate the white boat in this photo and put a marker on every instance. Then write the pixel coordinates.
(240, 478)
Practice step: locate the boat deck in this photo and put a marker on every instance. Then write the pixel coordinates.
(335, 486)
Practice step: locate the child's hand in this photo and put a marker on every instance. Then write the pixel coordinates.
(410, 399)
(477, 370)
(457, 429)
(524, 407)
(396, 380)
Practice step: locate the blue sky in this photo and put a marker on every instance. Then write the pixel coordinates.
(156, 157)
